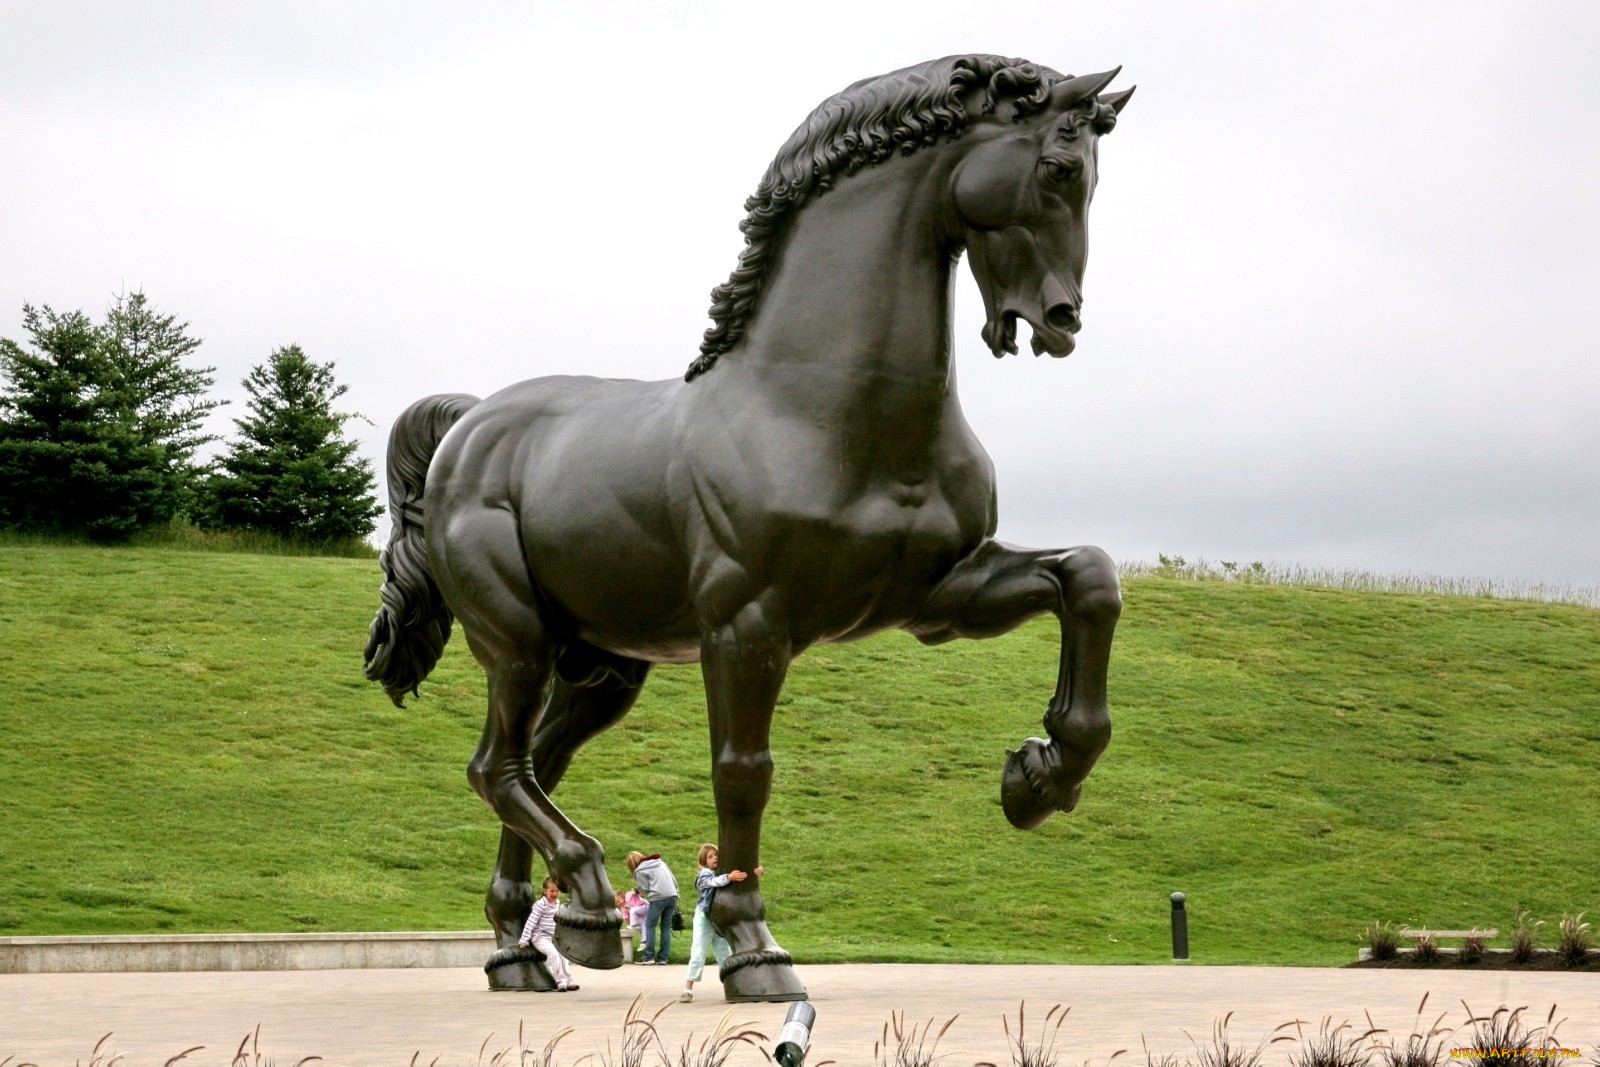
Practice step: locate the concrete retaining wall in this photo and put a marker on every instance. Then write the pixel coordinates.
(244, 952)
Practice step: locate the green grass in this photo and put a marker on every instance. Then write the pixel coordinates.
(188, 745)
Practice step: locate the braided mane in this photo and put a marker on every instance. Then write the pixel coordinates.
(865, 124)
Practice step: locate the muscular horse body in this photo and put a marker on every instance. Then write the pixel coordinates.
(811, 480)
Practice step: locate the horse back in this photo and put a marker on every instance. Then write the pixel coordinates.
(583, 466)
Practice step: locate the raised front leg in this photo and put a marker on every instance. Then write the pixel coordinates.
(993, 591)
(744, 662)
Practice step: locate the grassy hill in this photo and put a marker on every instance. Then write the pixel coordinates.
(187, 744)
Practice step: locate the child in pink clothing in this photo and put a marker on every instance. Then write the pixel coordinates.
(635, 907)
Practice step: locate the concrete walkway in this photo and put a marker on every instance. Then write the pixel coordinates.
(383, 1017)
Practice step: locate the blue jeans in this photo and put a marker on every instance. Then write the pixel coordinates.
(660, 914)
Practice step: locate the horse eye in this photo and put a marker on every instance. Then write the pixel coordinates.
(1057, 171)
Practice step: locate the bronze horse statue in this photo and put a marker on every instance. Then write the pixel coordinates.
(811, 479)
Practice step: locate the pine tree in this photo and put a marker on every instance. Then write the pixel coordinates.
(292, 473)
(99, 423)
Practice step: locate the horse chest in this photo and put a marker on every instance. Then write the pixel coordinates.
(879, 553)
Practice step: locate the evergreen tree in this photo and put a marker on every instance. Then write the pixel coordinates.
(99, 423)
(292, 473)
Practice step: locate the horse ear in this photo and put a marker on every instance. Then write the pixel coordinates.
(1073, 91)
(1117, 101)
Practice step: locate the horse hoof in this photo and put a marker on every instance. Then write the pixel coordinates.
(589, 941)
(519, 970)
(767, 976)
(1028, 794)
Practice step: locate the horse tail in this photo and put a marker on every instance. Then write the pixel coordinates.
(412, 625)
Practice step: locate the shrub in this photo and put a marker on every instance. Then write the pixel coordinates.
(1472, 950)
(1426, 950)
(1382, 941)
(1524, 936)
(1572, 940)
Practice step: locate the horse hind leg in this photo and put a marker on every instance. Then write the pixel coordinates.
(995, 589)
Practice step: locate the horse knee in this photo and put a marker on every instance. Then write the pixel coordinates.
(478, 777)
(742, 780)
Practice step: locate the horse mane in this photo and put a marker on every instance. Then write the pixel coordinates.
(865, 124)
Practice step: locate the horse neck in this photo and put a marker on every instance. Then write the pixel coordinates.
(856, 310)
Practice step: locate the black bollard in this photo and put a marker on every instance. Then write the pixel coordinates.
(795, 1036)
(1180, 928)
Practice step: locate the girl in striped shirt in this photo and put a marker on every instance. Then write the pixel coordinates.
(540, 932)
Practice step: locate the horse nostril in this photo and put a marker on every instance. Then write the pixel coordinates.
(1063, 317)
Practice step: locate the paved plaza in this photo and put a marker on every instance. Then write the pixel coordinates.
(383, 1017)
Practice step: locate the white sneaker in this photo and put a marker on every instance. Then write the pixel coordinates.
(686, 996)
(647, 963)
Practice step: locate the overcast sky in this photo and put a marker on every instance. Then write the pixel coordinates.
(1340, 304)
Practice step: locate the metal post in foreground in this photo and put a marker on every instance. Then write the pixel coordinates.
(795, 1035)
(1180, 928)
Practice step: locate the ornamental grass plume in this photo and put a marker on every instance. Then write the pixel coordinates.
(1222, 1052)
(1042, 1053)
(1423, 1047)
(1504, 1038)
(911, 1047)
(1333, 1046)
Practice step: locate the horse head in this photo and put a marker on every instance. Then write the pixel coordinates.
(1022, 193)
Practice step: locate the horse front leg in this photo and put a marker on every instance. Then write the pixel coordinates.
(744, 662)
(573, 715)
(994, 590)
(503, 772)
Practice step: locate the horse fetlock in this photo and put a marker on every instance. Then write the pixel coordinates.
(506, 907)
(579, 868)
(1082, 734)
(731, 911)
